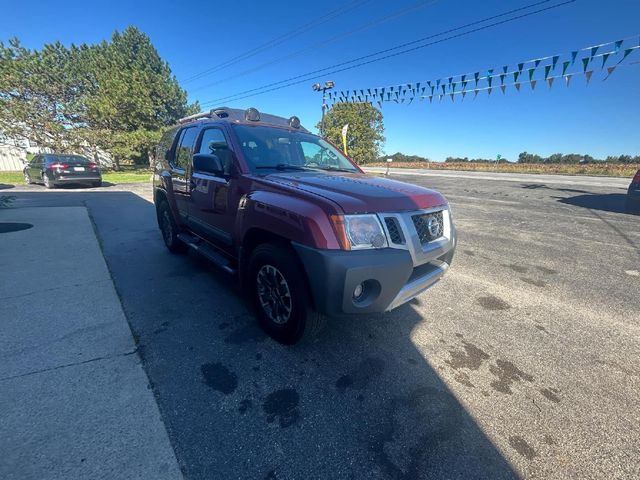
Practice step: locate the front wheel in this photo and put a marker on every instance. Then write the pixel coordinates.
(169, 229)
(280, 295)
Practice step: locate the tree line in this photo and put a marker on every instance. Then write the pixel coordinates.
(115, 97)
(524, 157)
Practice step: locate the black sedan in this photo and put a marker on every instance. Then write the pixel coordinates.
(53, 169)
(633, 194)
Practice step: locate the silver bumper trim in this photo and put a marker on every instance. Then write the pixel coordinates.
(415, 287)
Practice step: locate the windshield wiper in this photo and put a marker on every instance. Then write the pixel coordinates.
(282, 166)
(338, 169)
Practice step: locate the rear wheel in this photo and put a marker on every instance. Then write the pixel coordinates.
(97, 183)
(280, 295)
(169, 229)
(47, 182)
(27, 179)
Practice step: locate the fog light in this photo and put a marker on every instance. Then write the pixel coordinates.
(357, 293)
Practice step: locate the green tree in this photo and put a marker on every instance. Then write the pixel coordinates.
(131, 95)
(366, 129)
(116, 96)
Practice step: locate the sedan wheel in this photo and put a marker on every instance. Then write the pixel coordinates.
(27, 178)
(47, 182)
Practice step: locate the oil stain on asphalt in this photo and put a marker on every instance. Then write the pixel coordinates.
(493, 303)
(520, 445)
(219, 378)
(283, 406)
(507, 373)
(471, 357)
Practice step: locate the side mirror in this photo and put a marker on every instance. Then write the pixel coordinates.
(208, 163)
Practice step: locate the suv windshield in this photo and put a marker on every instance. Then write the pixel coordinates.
(267, 148)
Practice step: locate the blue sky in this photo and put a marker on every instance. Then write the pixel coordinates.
(599, 119)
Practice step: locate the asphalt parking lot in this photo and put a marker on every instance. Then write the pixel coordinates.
(524, 361)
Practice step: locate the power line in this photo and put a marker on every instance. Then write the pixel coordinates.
(279, 40)
(323, 43)
(329, 70)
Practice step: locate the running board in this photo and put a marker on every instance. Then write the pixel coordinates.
(206, 251)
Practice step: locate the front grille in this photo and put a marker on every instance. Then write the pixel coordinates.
(429, 226)
(395, 234)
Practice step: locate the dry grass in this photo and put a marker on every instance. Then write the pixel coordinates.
(605, 169)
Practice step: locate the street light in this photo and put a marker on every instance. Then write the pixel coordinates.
(328, 85)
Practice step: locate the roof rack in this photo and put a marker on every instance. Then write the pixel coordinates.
(220, 112)
(236, 115)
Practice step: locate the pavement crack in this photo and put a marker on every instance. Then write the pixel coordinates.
(74, 364)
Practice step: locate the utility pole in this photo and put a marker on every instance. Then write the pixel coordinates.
(328, 85)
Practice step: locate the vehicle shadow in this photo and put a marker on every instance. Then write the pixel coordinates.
(610, 202)
(5, 186)
(359, 402)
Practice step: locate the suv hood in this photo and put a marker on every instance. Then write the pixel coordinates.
(361, 193)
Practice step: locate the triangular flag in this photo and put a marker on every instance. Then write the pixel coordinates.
(444, 89)
(490, 80)
(531, 72)
(464, 94)
(588, 75)
(520, 67)
(547, 69)
(379, 104)
(464, 84)
(555, 61)
(610, 70)
(409, 86)
(440, 97)
(452, 97)
(594, 50)
(515, 76)
(533, 84)
(477, 77)
(573, 57)
(567, 78)
(517, 85)
(627, 52)
(503, 88)
(476, 91)
(450, 80)
(585, 63)
(489, 90)
(505, 69)
(418, 86)
(453, 86)
(605, 57)
(618, 45)
(537, 63)
(438, 83)
(430, 98)
(565, 65)
(502, 75)
(410, 100)
(550, 80)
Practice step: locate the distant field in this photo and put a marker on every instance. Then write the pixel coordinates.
(138, 176)
(608, 170)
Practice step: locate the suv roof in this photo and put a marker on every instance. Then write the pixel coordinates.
(250, 116)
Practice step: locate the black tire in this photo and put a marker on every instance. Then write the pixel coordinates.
(47, 182)
(97, 183)
(297, 322)
(169, 229)
(27, 179)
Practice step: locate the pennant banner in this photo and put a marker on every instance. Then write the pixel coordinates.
(605, 57)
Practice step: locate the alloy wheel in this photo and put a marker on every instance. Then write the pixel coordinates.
(274, 294)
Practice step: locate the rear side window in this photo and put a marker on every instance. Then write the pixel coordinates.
(166, 142)
(184, 149)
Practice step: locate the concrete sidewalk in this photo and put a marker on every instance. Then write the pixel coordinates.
(74, 399)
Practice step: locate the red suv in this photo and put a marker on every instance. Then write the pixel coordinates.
(307, 231)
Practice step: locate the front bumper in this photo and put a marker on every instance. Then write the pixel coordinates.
(390, 276)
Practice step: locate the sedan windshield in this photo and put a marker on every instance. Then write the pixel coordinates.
(267, 148)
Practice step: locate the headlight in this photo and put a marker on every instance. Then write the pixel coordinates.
(364, 231)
